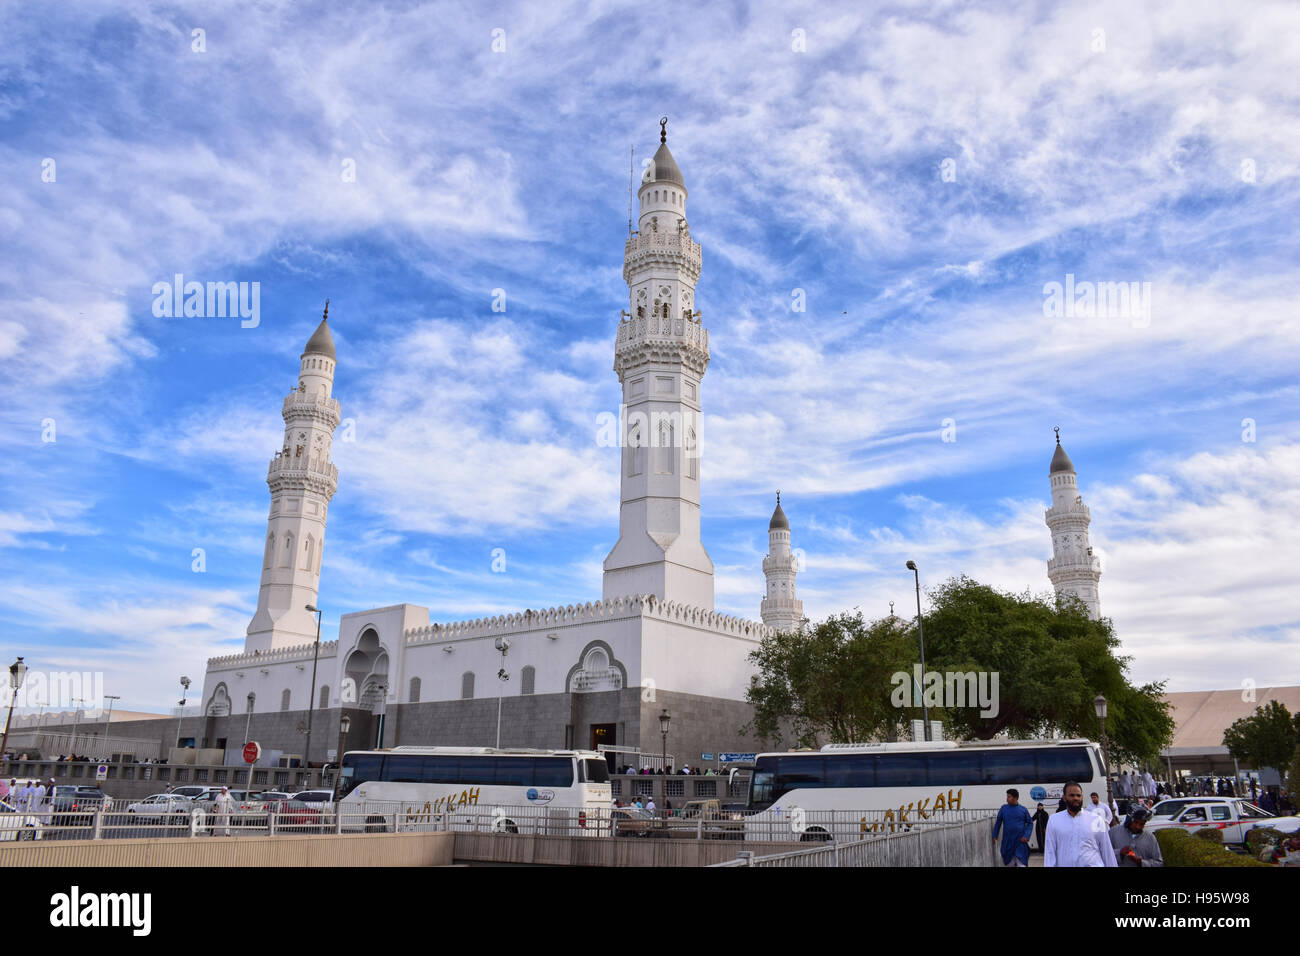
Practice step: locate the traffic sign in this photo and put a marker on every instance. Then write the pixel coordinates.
(252, 751)
(706, 756)
(737, 758)
(101, 772)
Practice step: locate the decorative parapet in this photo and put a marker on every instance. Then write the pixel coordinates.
(274, 656)
(621, 608)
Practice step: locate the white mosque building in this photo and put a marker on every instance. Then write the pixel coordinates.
(583, 675)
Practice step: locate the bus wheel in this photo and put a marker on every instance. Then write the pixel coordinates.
(27, 833)
(509, 826)
(814, 835)
(375, 825)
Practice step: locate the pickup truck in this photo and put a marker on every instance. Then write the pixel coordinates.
(1233, 815)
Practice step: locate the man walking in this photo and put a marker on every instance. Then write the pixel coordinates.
(1132, 846)
(222, 806)
(1016, 824)
(1100, 809)
(1040, 826)
(1075, 838)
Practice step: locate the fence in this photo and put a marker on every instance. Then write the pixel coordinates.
(966, 843)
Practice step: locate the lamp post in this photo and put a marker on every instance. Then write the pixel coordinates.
(502, 675)
(109, 719)
(1099, 704)
(664, 719)
(76, 720)
(345, 724)
(185, 686)
(920, 635)
(252, 698)
(311, 699)
(17, 671)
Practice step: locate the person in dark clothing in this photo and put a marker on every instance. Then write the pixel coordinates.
(1040, 826)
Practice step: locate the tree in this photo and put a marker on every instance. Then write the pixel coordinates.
(823, 685)
(1267, 738)
(837, 682)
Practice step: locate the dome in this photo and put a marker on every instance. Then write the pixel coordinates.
(1060, 460)
(321, 342)
(779, 521)
(663, 168)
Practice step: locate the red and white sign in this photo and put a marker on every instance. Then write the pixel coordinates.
(252, 752)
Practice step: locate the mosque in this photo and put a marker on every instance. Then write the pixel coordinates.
(583, 675)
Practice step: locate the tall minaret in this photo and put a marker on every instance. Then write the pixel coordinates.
(1073, 568)
(302, 481)
(781, 608)
(660, 356)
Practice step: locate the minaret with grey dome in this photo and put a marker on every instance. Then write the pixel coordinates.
(660, 354)
(781, 608)
(302, 480)
(1073, 568)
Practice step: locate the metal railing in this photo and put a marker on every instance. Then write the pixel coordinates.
(963, 843)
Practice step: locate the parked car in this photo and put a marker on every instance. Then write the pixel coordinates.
(322, 798)
(190, 791)
(66, 791)
(631, 821)
(170, 808)
(18, 826)
(1233, 815)
(76, 807)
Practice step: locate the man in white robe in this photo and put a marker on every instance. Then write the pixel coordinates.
(1100, 809)
(1077, 838)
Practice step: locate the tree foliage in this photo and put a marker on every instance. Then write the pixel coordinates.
(1267, 738)
(835, 682)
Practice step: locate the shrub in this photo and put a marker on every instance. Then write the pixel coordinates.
(1210, 835)
(1179, 849)
(1261, 837)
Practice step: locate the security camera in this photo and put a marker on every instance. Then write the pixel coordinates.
(502, 644)
(185, 682)
(502, 675)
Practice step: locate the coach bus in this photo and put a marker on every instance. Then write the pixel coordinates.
(422, 788)
(849, 791)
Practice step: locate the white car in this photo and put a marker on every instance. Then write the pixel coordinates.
(169, 807)
(18, 826)
(1234, 816)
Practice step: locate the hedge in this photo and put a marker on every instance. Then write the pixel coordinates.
(1180, 849)
(1260, 837)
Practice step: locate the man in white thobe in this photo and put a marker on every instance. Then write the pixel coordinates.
(1077, 838)
(1100, 809)
(222, 807)
(1150, 782)
(37, 802)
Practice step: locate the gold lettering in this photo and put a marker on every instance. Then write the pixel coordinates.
(954, 803)
(939, 804)
(473, 796)
(921, 809)
(902, 815)
(889, 818)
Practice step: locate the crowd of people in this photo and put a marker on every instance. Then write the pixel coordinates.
(686, 771)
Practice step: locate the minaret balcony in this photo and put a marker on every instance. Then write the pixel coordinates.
(302, 404)
(1085, 563)
(314, 466)
(678, 243)
(660, 328)
(1074, 509)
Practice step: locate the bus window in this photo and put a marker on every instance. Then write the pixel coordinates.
(404, 769)
(956, 769)
(798, 773)
(358, 769)
(851, 770)
(441, 770)
(762, 783)
(593, 771)
(553, 772)
(1009, 767)
(1064, 764)
(902, 770)
(514, 772)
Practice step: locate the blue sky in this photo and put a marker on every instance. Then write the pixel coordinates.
(921, 171)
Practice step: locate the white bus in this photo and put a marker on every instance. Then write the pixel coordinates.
(423, 788)
(850, 791)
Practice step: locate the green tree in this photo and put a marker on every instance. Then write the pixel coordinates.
(1267, 738)
(828, 684)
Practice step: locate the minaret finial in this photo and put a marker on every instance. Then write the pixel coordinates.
(327, 311)
(778, 497)
(1057, 429)
(663, 129)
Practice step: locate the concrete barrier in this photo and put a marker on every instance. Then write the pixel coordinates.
(359, 849)
(603, 851)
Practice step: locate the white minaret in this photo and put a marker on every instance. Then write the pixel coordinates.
(781, 608)
(660, 356)
(302, 481)
(1072, 568)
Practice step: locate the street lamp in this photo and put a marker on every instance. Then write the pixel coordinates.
(17, 671)
(925, 710)
(1099, 704)
(502, 675)
(311, 699)
(345, 724)
(109, 719)
(664, 720)
(76, 720)
(185, 686)
(252, 699)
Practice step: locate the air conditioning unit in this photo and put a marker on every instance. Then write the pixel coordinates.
(292, 760)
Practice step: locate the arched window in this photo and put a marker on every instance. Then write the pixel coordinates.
(286, 561)
(414, 695)
(284, 700)
(665, 453)
(307, 547)
(527, 678)
(692, 455)
(467, 686)
(324, 697)
(270, 551)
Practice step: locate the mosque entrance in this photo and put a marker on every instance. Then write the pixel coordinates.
(603, 734)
